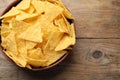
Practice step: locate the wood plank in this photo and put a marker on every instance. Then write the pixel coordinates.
(96, 18)
(91, 59)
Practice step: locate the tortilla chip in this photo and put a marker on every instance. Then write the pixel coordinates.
(21, 46)
(49, 9)
(53, 56)
(12, 13)
(39, 6)
(19, 26)
(30, 10)
(20, 61)
(10, 41)
(23, 16)
(23, 5)
(5, 30)
(30, 44)
(61, 23)
(54, 38)
(33, 33)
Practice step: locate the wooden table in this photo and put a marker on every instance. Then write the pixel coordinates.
(96, 55)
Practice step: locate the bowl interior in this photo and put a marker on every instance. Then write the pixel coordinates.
(34, 69)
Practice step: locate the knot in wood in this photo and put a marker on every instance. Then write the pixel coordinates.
(97, 54)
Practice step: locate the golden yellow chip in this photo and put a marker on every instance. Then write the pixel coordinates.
(30, 44)
(65, 12)
(5, 30)
(67, 40)
(30, 10)
(13, 12)
(33, 33)
(36, 53)
(52, 11)
(7, 20)
(19, 26)
(21, 46)
(23, 16)
(64, 43)
(19, 60)
(36, 62)
(61, 23)
(23, 5)
(53, 56)
(72, 34)
(39, 6)
(10, 40)
(36, 57)
(54, 38)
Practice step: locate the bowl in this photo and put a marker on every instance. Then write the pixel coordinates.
(14, 3)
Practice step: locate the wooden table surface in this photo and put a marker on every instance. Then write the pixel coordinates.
(96, 55)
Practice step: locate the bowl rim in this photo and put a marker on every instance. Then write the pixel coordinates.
(14, 3)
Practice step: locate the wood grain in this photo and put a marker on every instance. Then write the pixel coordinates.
(96, 18)
(96, 55)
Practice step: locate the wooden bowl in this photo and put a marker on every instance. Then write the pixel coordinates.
(14, 3)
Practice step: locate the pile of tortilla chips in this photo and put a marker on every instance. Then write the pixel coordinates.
(36, 33)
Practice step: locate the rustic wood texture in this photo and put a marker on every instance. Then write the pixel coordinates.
(96, 55)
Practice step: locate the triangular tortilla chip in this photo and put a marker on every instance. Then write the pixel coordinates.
(53, 56)
(33, 33)
(19, 60)
(10, 41)
(30, 10)
(23, 5)
(12, 12)
(61, 23)
(52, 11)
(19, 26)
(30, 44)
(39, 6)
(67, 40)
(54, 38)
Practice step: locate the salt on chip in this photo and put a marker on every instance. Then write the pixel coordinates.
(33, 33)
